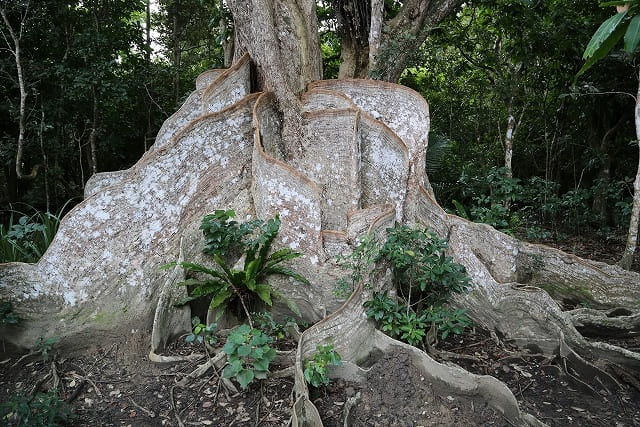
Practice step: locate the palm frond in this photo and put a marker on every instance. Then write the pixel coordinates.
(439, 145)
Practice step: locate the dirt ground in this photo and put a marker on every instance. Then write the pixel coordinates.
(118, 386)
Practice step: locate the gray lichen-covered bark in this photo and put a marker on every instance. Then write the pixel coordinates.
(360, 169)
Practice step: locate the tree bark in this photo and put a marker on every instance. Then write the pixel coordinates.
(281, 36)
(632, 236)
(405, 34)
(375, 31)
(92, 134)
(508, 139)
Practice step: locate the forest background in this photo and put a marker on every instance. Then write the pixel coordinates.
(101, 77)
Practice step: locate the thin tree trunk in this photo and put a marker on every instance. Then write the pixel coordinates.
(46, 163)
(23, 93)
(148, 33)
(508, 139)
(375, 31)
(632, 237)
(228, 44)
(92, 135)
(176, 55)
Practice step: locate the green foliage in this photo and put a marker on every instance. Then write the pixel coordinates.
(227, 285)
(425, 279)
(491, 195)
(449, 321)
(358, 263)
(7, 315)
(625, 23)
(264, 321)
(222, 234)
(419, 262)
(403, 322)
(316, 369)
(44, 410)
(202, 333)
(248, 354)
(44, 346)
(26, 239)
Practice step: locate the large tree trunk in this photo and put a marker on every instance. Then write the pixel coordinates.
(360, 168)
(282, 38)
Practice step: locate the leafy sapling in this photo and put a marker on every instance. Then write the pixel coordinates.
(425, 279)
(358, 263)
(316, 371)
(202, 333)
(44, 346)
(248, 354)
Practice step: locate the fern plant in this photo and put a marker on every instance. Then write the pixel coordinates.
(227, 285)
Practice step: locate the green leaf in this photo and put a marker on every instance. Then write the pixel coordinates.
(269, 354)
(244, 350)
(228, 372)
(632, 36)
(262, 364)
(603, 41)
(264, 292)
(168, 266)
(201, 269)
(220, 298)
(252, 268)
(308, 374)
(223, 265)
(230, 347)
(261, 375)
(287, 272)
(244, 378)
(257, 353)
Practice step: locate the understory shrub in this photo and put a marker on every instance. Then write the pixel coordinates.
(43, 410)
(424, 279)
(538, 205)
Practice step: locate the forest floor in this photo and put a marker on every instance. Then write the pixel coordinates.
(119, 386)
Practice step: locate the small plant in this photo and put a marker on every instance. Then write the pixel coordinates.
(7, 315)
(227, 285)
(315, 369)
(386, 312)
(425, 278)
(359, 262)
(44, 346)
(248, 354)
(44, 410)
(449, 322)
(26, 239)
(264, 321)
(419, 262)
(202, 333)
(223, 235)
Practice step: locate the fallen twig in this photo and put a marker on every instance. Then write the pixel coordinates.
(173, 407)
(76, 392)
(149, 412)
